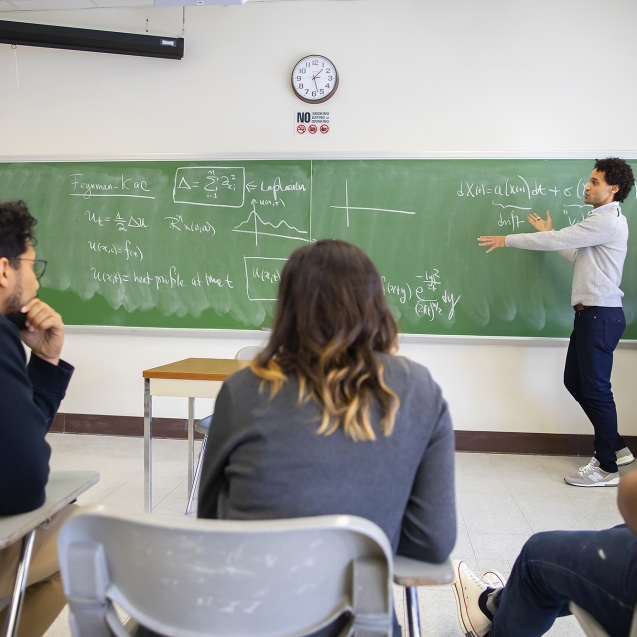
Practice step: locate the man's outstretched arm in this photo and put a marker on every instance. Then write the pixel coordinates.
(541, 225)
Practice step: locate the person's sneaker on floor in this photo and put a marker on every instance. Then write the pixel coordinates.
(593, 462)
(624, 457)
(494, 579)
(471, 596)
(592, 476)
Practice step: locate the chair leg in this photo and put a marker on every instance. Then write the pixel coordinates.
(15, 608)
(413, 615)
(195, 481)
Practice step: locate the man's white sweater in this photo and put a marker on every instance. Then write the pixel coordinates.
(596, 246)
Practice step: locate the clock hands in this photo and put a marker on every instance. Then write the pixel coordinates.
(314, 79)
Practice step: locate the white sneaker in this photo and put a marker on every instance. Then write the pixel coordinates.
(591, 475)
(494, 579)
(467, 588)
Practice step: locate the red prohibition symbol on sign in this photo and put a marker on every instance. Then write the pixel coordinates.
(300, 129)
(312, 128)
(324, 129)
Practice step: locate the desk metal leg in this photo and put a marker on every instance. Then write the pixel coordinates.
(413, 615)
(15, 609)
(191, 442)
(148, 455)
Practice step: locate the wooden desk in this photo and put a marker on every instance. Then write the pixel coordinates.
(191, 378)
(62, 488)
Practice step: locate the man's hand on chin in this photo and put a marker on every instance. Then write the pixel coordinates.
(45, 330)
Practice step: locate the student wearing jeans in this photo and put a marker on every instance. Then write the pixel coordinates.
(595, 569)
(597, 249)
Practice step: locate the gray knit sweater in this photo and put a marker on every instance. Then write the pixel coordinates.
(264, 460)
(596, 246)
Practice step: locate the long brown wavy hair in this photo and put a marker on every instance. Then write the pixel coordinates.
(331, 318)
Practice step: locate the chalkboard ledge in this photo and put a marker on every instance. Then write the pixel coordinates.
(262, 335)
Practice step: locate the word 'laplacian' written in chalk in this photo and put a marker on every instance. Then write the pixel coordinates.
(277, 187)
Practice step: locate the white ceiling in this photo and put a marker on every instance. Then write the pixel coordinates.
(62, 5)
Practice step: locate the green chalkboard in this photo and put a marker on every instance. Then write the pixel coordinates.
(202, 244)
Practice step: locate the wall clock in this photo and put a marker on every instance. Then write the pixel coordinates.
(314, 79)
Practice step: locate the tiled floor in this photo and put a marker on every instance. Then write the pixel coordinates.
(502, 500)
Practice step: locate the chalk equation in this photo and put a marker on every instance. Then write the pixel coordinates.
(262, 277)
(222, 186)
(121, 223)
(424, 295)
(511, 216)
(519, 185)
(127, 250)
(178, 223)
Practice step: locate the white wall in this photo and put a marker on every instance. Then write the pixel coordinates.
(418, 77)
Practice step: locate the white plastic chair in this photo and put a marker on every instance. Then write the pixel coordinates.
(184, 577)
(591, 627)
(203, 426)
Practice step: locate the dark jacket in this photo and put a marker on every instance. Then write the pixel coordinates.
(29, 398)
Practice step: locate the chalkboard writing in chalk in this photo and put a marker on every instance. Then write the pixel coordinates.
(202, 244)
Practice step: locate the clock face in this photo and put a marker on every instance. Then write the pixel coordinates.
(314, 79)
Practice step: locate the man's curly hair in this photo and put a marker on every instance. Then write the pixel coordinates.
(617, 173)
(16, 230)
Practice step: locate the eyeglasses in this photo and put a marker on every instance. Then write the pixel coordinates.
(39, 266)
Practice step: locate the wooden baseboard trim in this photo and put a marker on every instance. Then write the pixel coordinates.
(532, 443)
(473, 441)
(119, 426)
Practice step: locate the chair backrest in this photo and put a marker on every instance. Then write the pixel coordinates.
(591, 626)
(195, 578)
(248, 353)
(588, 623)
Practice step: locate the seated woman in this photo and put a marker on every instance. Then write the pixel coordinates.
(327, 421)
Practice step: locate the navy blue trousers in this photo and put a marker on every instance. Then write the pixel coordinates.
(595, 569)
(589, 362)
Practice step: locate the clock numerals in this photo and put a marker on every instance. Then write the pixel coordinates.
(314, 79)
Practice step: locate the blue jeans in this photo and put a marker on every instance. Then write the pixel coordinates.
(595, 569)
(589, 361)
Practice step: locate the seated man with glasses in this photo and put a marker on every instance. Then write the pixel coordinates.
(30, 395)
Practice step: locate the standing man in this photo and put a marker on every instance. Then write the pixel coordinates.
(29, 398)
(597, 248)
